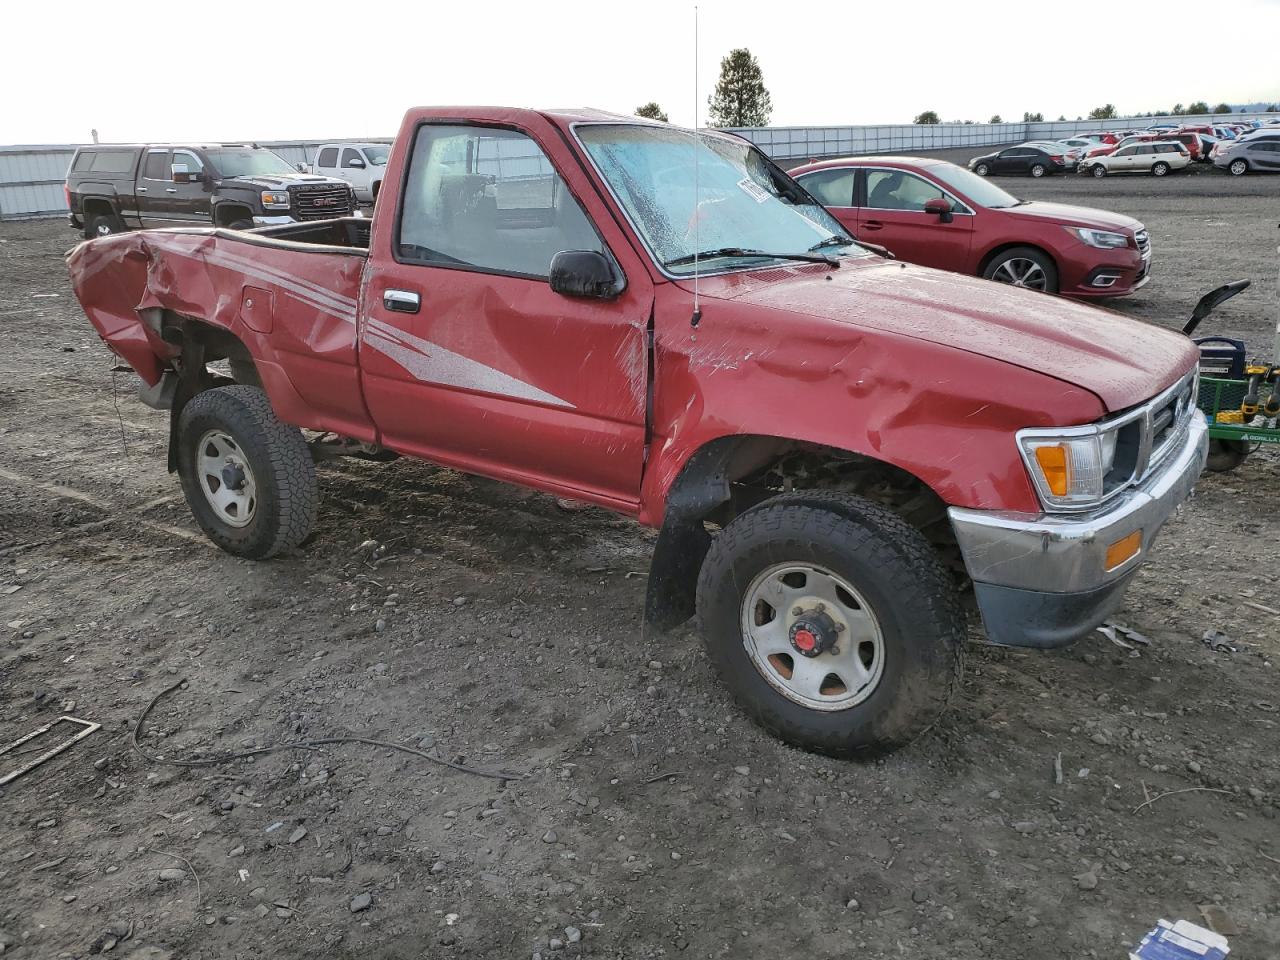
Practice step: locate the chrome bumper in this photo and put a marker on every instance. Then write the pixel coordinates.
(1042, 579)
(273, 221)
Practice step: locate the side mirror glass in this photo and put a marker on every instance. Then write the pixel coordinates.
(584, 273)
(940, 208)
(179, 173)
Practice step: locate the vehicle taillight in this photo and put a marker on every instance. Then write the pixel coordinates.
(66, 192)
(1057, 159)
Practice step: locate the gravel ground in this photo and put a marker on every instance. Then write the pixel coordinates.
(481, 624)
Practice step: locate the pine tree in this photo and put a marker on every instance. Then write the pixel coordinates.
(651, 111)
(740, 98)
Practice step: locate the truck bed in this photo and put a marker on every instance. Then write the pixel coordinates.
(288, 294)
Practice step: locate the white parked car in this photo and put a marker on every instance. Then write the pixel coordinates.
(360, 164)
(1156, 157)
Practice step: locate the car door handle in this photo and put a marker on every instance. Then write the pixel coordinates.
(142, 190)
(401, 301)
(170, 189)
(872, 225)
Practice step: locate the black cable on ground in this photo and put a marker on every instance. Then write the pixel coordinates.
(296, 745)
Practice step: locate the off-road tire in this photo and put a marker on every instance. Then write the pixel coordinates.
(982, 170)
(902, 579)
(1226, 455)
(1159, 168)
(283, 471)
(1038, 167)
(103, 225)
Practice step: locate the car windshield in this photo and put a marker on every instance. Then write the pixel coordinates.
(739, 207)
(978, 189)
(248, 162)
(377, 154)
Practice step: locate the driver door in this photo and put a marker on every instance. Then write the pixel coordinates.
(892, 214)
(469, 358)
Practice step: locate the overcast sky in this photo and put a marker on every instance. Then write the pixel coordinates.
(230, 70)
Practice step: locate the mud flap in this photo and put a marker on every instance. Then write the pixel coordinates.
(673, 574)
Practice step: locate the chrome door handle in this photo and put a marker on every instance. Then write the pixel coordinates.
(401, 301)
(142, 190)
(170, 189)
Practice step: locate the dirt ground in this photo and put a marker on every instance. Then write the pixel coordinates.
(484, 625)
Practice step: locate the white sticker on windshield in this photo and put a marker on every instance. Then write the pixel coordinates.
(753, 189)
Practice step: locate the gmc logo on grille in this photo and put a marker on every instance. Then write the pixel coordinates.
(325, 201)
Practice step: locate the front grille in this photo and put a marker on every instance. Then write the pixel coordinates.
(1169, 420)
(1143, 240)
(323, 202)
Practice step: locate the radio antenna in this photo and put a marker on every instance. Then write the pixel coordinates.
(697, 213)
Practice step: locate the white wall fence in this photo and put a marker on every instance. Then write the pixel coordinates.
(804, 143)
(31, 177)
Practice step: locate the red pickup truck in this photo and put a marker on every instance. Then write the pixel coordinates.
(838, 449)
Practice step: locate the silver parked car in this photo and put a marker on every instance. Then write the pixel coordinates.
(1257, 153)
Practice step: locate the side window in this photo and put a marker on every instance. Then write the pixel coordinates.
(328, 157)
(194, 166)
(1125, 152)
(114, 161)
(83, 161)
(487, 198)
(348, 155)
(898, 190)
(832, 188)
(157, 165)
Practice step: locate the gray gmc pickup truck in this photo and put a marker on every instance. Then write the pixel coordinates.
(116, 187)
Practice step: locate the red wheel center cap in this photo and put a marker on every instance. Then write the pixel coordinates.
(805, 640)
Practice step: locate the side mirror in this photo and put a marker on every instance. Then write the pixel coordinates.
(179, 173)
(940, 208)
(584, 273)
(301, 167)
(356, 162)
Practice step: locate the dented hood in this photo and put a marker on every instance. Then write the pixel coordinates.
(1121, 360)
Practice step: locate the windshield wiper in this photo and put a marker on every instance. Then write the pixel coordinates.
(743, 252)
(834, 241)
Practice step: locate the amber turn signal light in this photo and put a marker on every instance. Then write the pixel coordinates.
(1053, 464)
(1123, 549)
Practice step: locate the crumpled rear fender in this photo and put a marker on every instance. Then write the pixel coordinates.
(293, 310)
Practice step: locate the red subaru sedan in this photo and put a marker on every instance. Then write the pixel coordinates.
(940, 215)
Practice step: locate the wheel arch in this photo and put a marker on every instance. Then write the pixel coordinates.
(228, 212)
(985, 260)
(731, 474)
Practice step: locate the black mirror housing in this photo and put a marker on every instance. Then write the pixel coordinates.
(584, 273)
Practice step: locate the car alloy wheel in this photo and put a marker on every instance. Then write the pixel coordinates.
(982, 169)
(1037, 170)
(1159, 169)
(1099, 170)
(1238, 167)
(226, 479)
(1021, 272)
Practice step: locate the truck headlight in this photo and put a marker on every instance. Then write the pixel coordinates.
(275, 199)
(1102, 239)
(1069, 466)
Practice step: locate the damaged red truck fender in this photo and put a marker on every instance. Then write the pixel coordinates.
(839, 450)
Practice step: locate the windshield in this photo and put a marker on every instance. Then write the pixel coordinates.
(741, 202)
(978, 189)
(248, 162)
(377, 154)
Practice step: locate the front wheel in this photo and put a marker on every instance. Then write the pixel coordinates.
(982, 170)
(1238, 168)
(1038, 170)
(1023, 267)
(1099, 171)
(1226, 455)
(1159, 169)
(248, 478)
(834, 624)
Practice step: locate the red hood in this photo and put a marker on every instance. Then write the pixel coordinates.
(1080, 216)
(1121, 360)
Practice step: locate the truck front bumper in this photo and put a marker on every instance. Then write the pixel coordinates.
(1042, 580)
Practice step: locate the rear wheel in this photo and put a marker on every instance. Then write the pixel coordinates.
(832, 622)
(1023, 267)
(1159, 169)
(103, 225)
(1238, 168)
(1226, 455)
(248, 478)
(1038, 170)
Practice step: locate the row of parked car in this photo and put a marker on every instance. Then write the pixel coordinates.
(1238, 148)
